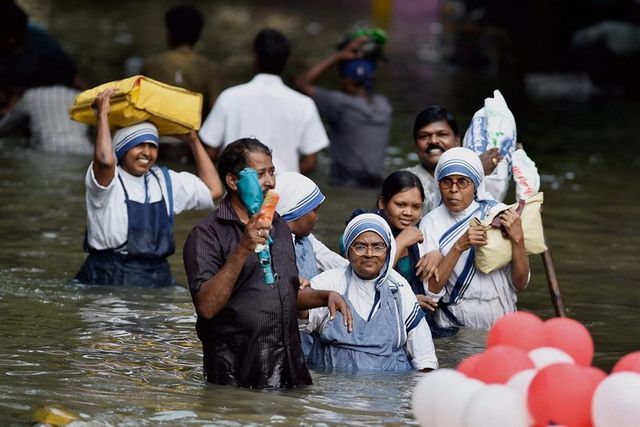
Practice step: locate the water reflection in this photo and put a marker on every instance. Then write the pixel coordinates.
(131, 357)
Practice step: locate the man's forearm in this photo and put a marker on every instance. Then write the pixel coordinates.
(214, 294)
(311, 298)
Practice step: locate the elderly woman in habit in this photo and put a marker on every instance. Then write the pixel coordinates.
(465, 296)
(389, 331)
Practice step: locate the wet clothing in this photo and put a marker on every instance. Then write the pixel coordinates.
(46, 111)
(482, 298)
(40, 62)
(393, 320)
(472, 298)
(380, 341)
(130, 225)
(265, 108)
(359, 135)
(376, 343)
(253, 342)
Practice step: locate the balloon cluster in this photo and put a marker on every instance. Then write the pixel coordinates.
(533, 373)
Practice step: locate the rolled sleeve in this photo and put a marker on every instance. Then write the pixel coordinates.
(420, 347)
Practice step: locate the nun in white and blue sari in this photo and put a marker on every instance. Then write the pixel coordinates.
(389, 331)
(468, 297)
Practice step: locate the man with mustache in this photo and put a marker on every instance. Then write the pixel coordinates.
(435, 130)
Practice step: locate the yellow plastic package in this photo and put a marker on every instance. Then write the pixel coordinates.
(497, 252)
(172, 109)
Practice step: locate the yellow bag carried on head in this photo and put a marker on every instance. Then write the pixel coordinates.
(497, 252)
(171, 109)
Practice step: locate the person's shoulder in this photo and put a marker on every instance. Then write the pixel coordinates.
(382, 101)
(432, 216)
(328, 279)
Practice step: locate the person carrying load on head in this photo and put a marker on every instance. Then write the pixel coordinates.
(389, 331)
(359, 119)
(466, 296)
(131, 203)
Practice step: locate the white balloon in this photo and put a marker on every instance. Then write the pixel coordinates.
(430, 386)
(496, 405)
(520, 384)
(449, 407)
(616, 401)
(545, 356)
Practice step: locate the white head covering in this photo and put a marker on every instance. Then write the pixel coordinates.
(465, 162)
(126, 138)
(298, 195)
(371, 222)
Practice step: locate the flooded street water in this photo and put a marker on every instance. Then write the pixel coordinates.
(116, 356)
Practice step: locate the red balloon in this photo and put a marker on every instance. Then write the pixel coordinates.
(560, 394)
(520, 329)
(571, 337)
(499, 363)
(630, 362)
(468, 365)
(595, 375)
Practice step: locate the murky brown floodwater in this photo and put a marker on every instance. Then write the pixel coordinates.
(131, 357)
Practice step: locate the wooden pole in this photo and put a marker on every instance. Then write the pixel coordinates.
(554, 287)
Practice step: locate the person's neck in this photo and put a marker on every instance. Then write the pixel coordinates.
(429, 169)
(239, 208)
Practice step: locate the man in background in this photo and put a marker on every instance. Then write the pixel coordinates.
(181, 65)
(265, 108)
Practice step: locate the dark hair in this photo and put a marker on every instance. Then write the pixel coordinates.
(399, 182)
(234, 157)
(184, 25)
(272, 51)
(13, 25)
(432, 114)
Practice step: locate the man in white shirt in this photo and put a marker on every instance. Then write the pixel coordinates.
(265, 108)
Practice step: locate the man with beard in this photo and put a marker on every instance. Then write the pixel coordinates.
(436, 130)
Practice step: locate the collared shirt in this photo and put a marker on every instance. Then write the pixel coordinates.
(107, 218)
(281, 118)
(253, 341)
(429, 185)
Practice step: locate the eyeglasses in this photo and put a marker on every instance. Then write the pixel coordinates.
(377, 249)
(461, 183)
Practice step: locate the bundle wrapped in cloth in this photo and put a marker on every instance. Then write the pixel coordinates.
(494, 126)
(497, 252)
(171, 109)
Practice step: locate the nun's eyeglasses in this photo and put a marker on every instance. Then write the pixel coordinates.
(377, 249)
(461, 183)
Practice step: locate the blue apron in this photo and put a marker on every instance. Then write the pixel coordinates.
(373, 345)
(149, 243)
(307, 269)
